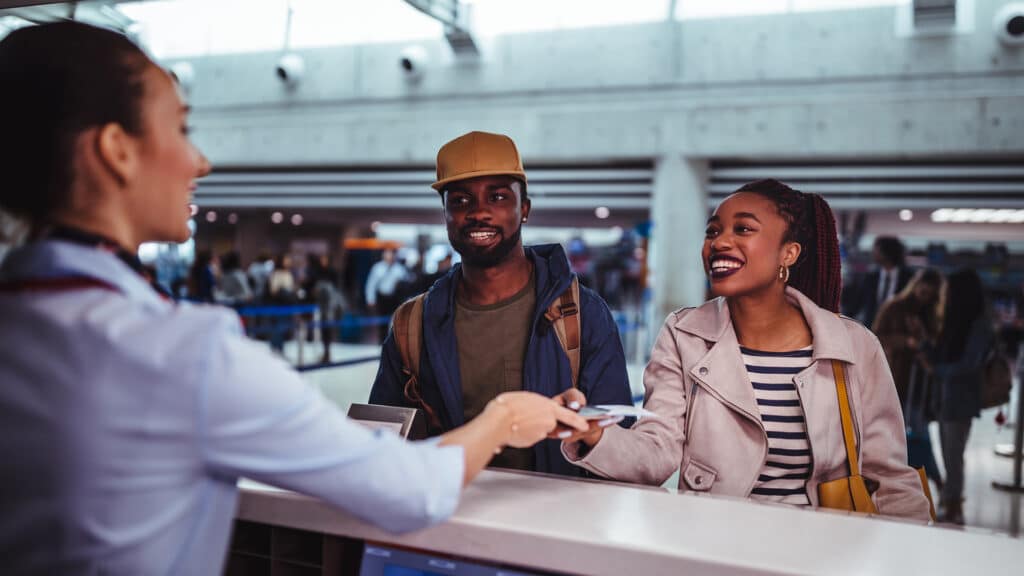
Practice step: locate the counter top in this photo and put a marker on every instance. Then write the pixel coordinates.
(580, 527)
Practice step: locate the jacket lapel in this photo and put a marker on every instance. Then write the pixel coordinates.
(439, 342)
(817, 386)
(721, 371)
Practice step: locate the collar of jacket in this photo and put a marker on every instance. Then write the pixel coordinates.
(721, 369)
(53, 258)
(553, 276)
(831, 341)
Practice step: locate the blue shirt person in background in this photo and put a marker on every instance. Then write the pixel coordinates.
(126, 419)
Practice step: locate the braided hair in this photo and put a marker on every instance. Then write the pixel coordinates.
(810, 222)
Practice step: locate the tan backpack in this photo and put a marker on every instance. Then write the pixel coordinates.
(563, 313)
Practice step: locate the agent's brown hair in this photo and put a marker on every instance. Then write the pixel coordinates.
(58, 80)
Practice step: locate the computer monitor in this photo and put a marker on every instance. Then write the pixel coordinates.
(380, 560)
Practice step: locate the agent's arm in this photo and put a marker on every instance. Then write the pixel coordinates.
(257, 418)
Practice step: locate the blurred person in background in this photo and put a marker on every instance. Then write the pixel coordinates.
(202, 277)
(281, 291)
(281, 282)
(906, 325)
(259, 271)
(322, 289)
(382, 293)
(745, 384)
(153, 409)
(957, 363)
(485, 327)
(888, 279)
(233, 285)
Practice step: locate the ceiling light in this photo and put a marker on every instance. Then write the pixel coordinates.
(602, 212)
(211, 216)
(277, 217)
(906, 215)
(978, 215)
(296, 219)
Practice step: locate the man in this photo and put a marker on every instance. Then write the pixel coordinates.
(484, 329)
(382, 283)
(887, 280)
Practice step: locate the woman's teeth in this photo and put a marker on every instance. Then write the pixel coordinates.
(724, 265)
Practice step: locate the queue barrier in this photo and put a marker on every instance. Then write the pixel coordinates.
(278, 322)
(281, 322)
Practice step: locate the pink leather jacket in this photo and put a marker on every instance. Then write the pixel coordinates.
(711, 429)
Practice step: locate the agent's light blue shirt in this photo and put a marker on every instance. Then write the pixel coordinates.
(126, 420)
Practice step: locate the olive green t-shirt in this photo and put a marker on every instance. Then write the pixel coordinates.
(491, 342)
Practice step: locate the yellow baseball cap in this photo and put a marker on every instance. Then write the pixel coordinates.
(477, 154)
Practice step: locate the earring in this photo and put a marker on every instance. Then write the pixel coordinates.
(524, 220)
(784, 274)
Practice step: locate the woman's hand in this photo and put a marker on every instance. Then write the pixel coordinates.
(533, 417)
(573, 399)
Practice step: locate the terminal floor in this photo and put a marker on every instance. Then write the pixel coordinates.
(985, 508)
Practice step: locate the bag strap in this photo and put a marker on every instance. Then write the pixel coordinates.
(846, 417)
(407, 324)
(564, 316)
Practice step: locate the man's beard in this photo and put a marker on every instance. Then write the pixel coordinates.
(479, 257)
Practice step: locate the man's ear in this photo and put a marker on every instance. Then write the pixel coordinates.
(791, 253)
(118, 152)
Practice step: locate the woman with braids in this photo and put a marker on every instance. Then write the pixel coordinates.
(743, 385)
(126, 419)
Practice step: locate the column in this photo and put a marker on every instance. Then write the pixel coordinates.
(679, 213)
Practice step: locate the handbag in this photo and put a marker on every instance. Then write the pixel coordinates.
(851, 493)
(996, 379)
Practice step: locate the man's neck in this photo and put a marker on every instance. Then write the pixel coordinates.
(486, 286)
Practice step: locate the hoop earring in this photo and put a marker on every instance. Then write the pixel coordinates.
(784, 274)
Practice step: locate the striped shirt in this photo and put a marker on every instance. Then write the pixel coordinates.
(788, 466)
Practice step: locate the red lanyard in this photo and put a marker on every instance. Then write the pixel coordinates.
(57, 284)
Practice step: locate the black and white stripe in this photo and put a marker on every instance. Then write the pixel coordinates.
(785, 473)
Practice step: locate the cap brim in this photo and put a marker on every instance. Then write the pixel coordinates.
(440, 184)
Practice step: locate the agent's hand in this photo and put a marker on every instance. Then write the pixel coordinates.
(573, 399)
(533, 417)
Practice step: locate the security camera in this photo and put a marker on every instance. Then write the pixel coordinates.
(290, 68)
(413, 62)
(1009, 24)
(183, 74)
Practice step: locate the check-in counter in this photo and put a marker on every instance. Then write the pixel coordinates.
(516, 523)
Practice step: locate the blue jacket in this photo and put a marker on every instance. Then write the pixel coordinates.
(546, 370)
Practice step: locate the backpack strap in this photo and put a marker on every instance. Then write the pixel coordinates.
(564, 315)
(407, 324)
